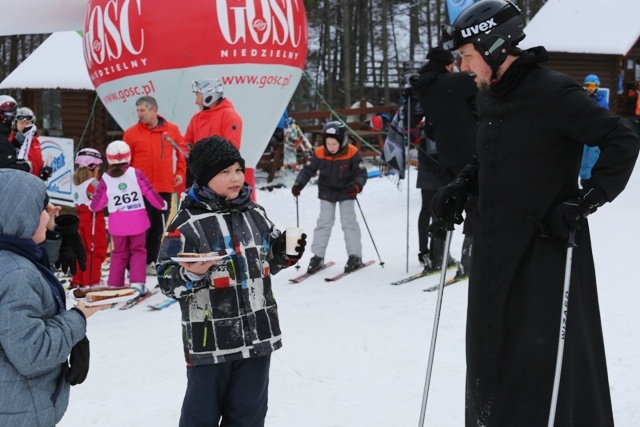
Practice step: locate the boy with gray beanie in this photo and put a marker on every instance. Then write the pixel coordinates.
(229, 315)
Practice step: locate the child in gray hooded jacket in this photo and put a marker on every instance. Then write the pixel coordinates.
(37, 332)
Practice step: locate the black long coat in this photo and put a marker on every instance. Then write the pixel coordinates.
(447, 102)
(532, 127)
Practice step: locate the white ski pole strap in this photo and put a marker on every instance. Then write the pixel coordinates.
(24, 149)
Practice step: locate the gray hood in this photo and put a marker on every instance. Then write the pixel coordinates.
(22, 198)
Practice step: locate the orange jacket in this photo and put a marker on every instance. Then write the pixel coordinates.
(153, 155)
(221, 120)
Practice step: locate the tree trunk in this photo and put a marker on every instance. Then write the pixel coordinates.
(363, 32)
(384, 4)
(346, 52)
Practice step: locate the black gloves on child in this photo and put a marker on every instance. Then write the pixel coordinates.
(46, 172)
(78, 362)
(279, 251)
(71, 248)
(353, 190)
(296, 189)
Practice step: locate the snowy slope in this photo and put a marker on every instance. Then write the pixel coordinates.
(355, 351)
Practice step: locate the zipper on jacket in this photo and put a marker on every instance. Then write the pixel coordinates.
(161, 147)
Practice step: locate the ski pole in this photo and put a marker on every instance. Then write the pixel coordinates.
(93, 233)
(571, 243)
(176, 146)
(436, 321)
(370, 235)
(297, 225)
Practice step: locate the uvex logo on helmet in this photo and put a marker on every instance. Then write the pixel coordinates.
(265, 22)
(108, 32)
(478, 28)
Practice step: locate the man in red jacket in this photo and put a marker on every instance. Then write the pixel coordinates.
(153, 152)
(217, 116)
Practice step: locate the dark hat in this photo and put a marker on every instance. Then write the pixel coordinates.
(439, 55)
(210, 156)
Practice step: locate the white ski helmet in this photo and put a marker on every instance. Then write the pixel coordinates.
(118, 152)
(89, 158)
(211, 90)
(25, 114)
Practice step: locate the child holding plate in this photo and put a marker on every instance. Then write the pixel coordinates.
(229, 315)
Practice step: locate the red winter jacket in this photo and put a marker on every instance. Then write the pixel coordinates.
(153, 155)
(221, 120)
(34, 156)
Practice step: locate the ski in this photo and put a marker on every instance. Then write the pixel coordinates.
(162, 304)
(307, 275)
(419, 275)
(137, 300)
(341, 275)
(447, 283)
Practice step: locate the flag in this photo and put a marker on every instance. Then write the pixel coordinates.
(454, 7)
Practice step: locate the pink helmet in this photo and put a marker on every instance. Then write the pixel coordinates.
(89, 158)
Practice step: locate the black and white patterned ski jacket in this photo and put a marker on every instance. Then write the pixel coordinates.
(230, 313)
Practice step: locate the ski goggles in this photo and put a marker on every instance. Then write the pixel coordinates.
(22, 118)
(199, 86)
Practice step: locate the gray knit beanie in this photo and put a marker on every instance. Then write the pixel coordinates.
(23, 197)
(210, 156)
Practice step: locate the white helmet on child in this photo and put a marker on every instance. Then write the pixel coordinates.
(89, 158)
(118, 152)
(25, 114)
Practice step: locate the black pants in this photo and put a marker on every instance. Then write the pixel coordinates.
(424, 219)
(233, 394)
(157, 218)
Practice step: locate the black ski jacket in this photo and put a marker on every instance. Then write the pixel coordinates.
(8, 153)
(448, 102)
(532, 127)
(338, 172)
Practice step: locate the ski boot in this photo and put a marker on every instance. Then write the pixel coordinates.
(353, 263)
(430, 265)
(141, 288)
(315, 264)
(422, 257)
(464, 266)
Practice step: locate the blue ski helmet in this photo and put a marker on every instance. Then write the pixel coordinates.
(592, 79)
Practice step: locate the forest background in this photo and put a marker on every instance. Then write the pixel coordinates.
(357, 49)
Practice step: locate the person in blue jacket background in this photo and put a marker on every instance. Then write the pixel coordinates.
(590, 154)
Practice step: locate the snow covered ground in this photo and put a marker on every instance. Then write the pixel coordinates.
(355, 351)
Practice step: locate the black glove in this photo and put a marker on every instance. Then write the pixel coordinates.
(407, 92)
(279, 250)
(448, 203)
(78, 362)
(572, 213)
(46, 172)
(21, 165)
(296, 189)
(353, 190)
(71, 247)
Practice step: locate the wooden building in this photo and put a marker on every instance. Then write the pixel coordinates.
(53, 81)
(592, 37)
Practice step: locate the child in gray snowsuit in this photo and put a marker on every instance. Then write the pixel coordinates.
(342, 176)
